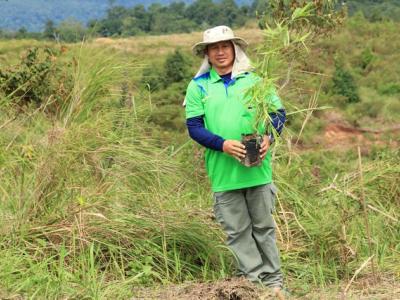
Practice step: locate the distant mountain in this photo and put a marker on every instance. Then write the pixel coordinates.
(32, 14)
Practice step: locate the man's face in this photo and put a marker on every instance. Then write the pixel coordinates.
(221, 54)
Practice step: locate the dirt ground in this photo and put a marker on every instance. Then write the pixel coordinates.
(241, 289)
(339, 134)
(230, 289)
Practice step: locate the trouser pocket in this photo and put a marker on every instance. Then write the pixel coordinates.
(274, 192)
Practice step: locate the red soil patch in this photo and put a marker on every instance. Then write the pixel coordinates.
(337, 135)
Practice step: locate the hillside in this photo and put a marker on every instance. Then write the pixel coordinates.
(104, 196)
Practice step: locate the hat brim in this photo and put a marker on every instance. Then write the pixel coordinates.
(198, 49)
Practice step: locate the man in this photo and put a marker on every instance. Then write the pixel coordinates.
(217, 114)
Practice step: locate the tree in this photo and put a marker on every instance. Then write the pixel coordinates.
(142, 17)
(130, 26)
(50, 31)
(203, 12)
(71, 31)
(114, 21)
(21, 33)
(229, 13)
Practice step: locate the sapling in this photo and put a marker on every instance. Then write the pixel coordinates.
(289, 29)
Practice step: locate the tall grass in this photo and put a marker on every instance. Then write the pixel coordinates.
(320, 218)
(90, 203)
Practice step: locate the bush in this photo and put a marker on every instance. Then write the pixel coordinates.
(175, 68)
(343, 84)
(367, 56)
(152, 77)
(38, 79)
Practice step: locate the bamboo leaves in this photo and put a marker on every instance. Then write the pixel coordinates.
(289, 29)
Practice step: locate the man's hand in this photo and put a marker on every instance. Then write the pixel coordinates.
(234, 148)
(264, 146)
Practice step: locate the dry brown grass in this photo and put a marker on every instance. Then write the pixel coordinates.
(139, 47)
(149, 46)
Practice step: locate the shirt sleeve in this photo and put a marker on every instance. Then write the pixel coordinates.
(278, 119)
(277, 113)
(194, 100)
(201, 135)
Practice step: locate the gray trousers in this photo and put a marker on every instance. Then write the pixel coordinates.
(246, 217)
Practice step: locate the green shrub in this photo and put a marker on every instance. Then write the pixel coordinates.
(175, 68)
(343, 84)
(38, 79)
(367, 56)
(152, 77)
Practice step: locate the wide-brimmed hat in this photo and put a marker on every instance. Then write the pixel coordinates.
(217, 34)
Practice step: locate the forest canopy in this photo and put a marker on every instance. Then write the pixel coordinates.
(177, 17)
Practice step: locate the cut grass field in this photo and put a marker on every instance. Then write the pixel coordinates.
(97, 202)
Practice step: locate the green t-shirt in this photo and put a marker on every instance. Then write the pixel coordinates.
(226, 114)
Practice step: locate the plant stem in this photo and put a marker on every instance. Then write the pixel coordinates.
(366, 214)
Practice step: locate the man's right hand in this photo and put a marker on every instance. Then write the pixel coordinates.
(234, 148)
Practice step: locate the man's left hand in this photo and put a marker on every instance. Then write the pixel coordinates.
(264, 146)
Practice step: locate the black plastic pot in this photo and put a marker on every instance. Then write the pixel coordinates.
(252, 142)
